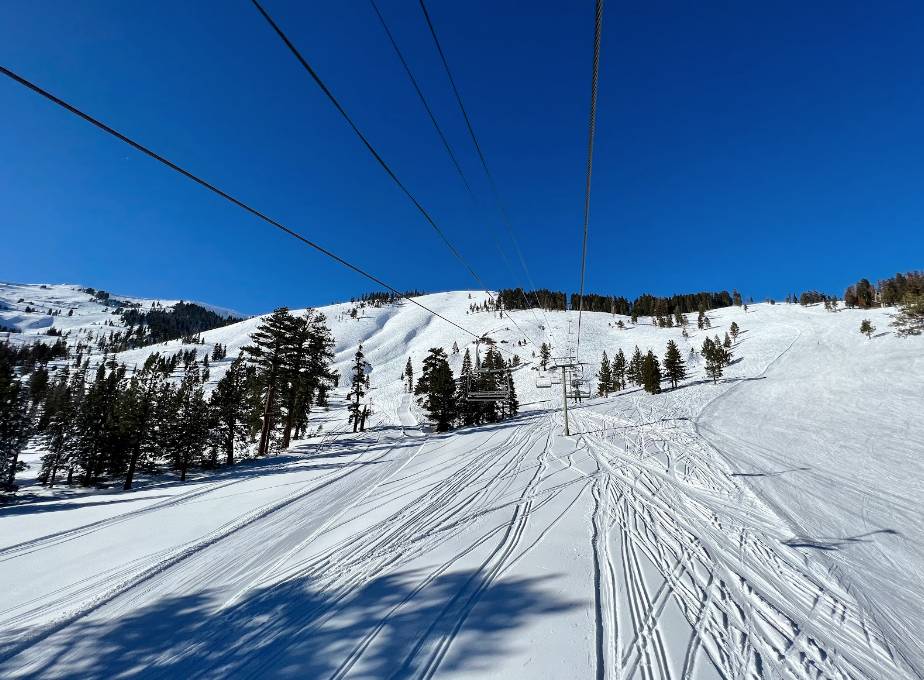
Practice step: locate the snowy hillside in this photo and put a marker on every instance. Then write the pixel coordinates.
(767, 526)
(31, 310)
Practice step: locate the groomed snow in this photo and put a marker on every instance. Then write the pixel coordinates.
(767, 526)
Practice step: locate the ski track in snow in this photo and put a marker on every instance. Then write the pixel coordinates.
(640, 547)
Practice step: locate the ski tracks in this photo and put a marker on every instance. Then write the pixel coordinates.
(754, 608)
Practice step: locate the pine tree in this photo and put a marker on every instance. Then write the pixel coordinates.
(727, 343)
(910, 317)
(468, 411)
(634, 368)
(409, 374)
(357, 387)
(14, 422)
(674, 366)
(189, 437)
(867, 328)
(544, 354)
(618, 370)
(267, 351)
(605, 377)
(231, 405)
(55, 426)
(651, 373)
(734, 330)
(436, 389)
(512, 403)
(714, 355)
(316, 376)
(139, 401)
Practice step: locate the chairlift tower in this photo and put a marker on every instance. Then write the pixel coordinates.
(568, 364)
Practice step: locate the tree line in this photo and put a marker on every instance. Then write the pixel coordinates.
(643, 305)
(106, 425)
(649, 372)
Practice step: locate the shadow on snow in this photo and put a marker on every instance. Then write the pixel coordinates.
(387, 627)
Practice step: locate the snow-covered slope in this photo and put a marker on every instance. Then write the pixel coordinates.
(763, 527)
(34, 309)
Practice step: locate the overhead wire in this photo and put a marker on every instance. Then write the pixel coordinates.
(372, 150)
(598, 29)
(375, 154)
(226, 196)
(484, 164)
(452, 156)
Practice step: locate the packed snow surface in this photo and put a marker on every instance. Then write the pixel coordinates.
(768, 526)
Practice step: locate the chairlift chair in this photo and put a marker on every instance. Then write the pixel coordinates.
(543, 383)
(496, 395)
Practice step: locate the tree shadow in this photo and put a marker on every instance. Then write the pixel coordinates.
(835, 543)
(391, 626)
(773, 473)
(37, 504)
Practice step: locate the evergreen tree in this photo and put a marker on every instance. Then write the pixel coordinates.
(651, 373)
(267, 351)
(674, 366)
(409, 374)
(139, 401)
(910, 317)
(634, 369)
(14, 422)
(189, 438)
(56, 427)
(357, 387)
(734, 330)
(867, 328)
(468, 411)
(544, 354)
(512, 403)
(714, 355)
(618, 370)
(315, 377)
(436, 389)
(231, 404)
(727, 343)
(605, 377)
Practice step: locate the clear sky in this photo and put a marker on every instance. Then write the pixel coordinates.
(772, 147)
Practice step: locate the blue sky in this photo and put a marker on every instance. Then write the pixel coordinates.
(772, 147)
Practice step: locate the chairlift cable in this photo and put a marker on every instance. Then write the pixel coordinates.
(375, 154)
(223, 194)
(451, 154)
(484, 164)
(598, 26)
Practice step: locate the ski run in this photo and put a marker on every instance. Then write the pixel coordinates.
(767, 526)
